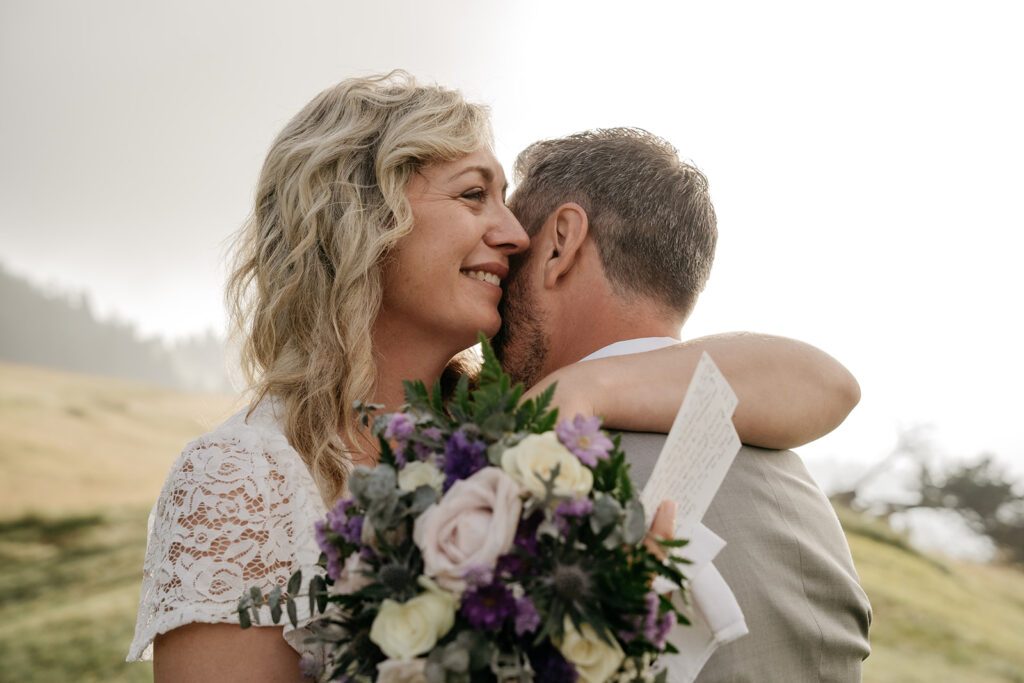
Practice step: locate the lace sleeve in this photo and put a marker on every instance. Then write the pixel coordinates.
(237, 510)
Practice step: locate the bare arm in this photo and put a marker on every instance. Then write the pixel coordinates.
(790, 393)
(224, 653)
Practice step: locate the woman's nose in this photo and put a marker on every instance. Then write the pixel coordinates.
(508, 234)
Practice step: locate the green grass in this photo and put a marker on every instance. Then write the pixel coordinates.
(69, 587)
(83, 458)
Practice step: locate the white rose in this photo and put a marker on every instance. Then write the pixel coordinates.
(401, 671)
(418, 473)
(404, 630)
(538, 454)
(594, 659)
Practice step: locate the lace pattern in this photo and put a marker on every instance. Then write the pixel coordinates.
(237, 510)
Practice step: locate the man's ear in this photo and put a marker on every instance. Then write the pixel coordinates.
(568, 226)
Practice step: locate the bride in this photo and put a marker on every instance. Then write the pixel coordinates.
(375, 253)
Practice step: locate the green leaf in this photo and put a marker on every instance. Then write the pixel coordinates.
(295, 583)
(293, 612)
(243, 618)
(436, 399)
(275, 604)
(318, 590)
(491, 369)
(256, 596)
(546, 423)
(545, 397)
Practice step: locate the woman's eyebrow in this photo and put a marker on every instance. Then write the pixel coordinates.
(486, 172)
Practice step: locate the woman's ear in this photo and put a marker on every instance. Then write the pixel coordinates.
(568, 226)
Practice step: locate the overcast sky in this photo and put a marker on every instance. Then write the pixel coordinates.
(865, 161)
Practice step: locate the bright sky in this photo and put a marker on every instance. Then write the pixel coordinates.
(864, 159)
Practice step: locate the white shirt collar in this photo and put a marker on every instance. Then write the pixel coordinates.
(628, 346)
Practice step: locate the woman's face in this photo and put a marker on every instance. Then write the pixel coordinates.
(444, 281)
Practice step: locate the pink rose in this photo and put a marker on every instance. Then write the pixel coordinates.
(472, 525)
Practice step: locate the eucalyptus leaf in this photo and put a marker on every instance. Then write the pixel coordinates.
(634, 527)
(495, 451)
(423, 497)
(318, 589)
(295, 583)
(243, 618)
(293, 612)
(275, 604)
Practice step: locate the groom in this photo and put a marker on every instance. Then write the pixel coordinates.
(622, 239)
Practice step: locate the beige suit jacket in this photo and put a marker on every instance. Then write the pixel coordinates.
(787, 562)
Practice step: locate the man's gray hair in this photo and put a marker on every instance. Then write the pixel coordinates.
(650, 214)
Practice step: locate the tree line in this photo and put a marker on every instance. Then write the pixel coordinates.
(62, 331)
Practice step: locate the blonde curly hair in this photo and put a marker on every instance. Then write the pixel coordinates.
(306, 282)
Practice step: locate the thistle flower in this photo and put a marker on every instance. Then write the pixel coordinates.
(571, 583)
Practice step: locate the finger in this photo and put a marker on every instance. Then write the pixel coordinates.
(664, 523)
(663, 526)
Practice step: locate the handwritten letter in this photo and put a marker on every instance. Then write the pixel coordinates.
(698, 451)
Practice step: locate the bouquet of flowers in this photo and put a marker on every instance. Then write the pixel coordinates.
(491, 542)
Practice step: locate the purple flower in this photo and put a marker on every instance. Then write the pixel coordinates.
(651, 617)
(509, 564)
(329, 549)
(665, 626)
(527, 617)
(479, 575)
(577, 507)
(462, 458)
(656, 630)
(526, 533)
(583, 436)
(423, 450)
(550, 666)
(350, 528)
(310, 667)
(487, 607)
(399, 427)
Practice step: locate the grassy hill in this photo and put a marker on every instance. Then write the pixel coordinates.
(71, 442)
(82, 459)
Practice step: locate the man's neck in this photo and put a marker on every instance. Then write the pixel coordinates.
(575, 342)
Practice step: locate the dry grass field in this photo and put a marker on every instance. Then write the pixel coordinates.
(73, 442)
(83, 458)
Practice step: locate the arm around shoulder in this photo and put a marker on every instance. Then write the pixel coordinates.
(790, 393)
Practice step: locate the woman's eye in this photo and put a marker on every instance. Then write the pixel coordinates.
(475, 195)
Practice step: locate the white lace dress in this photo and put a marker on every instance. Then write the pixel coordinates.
(237, 510)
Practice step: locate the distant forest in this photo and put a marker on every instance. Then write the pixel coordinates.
(61, 331)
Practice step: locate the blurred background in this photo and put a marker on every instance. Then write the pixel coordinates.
(865, 164)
